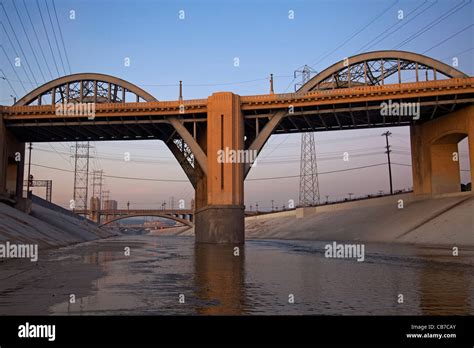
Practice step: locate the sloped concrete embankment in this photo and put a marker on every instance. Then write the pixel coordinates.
(48, 226)
(446, 220)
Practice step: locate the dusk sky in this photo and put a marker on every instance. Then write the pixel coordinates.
(200, 50)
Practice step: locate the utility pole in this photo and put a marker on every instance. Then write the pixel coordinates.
(387, 134)
(30, 147)
(309, 182)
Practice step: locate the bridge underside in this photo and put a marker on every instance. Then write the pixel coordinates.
(325, 117)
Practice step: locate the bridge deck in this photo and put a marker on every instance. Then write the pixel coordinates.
(338, 109)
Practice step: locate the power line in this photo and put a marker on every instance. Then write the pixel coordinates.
(28, 39)
(286, 137)
(448, 38)
(61, 35)
(323, 156)
(195, 85)
(321, 173)
(14, 70)
(16, 54)
(187, 181)
(57, 152)
(37, 39)
(47, 37)
(54, 35)
(112, 176)
(3, 78)
(356, 33)
(409, 165)
(433, 23)
(403, 23)
(459, 53)
(18, 42)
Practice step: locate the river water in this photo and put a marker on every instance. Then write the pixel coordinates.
(171, 275)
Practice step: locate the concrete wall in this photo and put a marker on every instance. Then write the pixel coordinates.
(351, 205)
(286, 213)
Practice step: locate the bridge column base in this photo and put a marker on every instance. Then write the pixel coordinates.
(220, 224)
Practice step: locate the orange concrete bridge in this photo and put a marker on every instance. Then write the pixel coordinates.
(348, 95)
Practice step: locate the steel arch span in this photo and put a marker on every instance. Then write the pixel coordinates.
(375, 68)
(102, 88)
(85, 88)
(165, 216)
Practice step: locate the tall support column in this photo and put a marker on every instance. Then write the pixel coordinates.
(12, 161)
(421, 161)
(435, 157)
(220, 215)
(471, 145)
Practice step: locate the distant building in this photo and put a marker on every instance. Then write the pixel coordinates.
(95, 204)
(110, 204)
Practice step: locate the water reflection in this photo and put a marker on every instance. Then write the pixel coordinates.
(219, 279)
(215, 281)
(445, 292)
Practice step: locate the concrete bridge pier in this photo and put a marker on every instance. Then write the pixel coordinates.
(219, 216)
(434, 147)
(12, 162)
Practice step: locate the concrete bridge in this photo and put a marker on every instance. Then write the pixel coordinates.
(347, 95)
(104, 217)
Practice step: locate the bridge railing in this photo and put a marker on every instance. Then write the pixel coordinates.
(459, 83)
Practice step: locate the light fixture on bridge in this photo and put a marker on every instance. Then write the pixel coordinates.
(271, 84)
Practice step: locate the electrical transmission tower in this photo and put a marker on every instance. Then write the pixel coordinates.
(97, 182)
(81, 174)
(309, 183)
(106, 196)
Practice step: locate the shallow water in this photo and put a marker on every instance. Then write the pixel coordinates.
(160, 270)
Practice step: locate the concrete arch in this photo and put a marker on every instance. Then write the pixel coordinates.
(49, 86)
(452, 136)
(433, 143)
(183, 221)
(403, 56)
